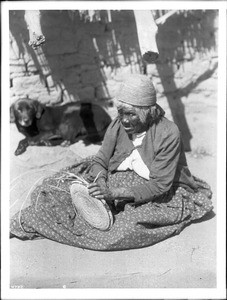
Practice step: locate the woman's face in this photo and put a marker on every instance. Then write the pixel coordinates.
(130, 120)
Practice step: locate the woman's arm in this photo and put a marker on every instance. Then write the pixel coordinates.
(163, 167)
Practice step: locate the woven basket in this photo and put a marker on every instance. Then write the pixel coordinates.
(95, 212)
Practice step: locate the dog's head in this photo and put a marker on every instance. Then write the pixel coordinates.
(25, 110)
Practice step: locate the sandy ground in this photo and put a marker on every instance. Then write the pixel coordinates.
(184, 261)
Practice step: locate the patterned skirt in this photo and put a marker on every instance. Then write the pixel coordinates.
(52, 215)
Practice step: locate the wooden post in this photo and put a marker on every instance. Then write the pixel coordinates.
(36, 37)
(147, 30)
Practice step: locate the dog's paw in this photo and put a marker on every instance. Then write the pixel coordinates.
(20, 149)
(65, 143)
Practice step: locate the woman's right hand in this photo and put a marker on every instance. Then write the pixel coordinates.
(100, 191)
(95, 190)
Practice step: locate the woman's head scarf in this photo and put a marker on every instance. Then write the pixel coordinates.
(137, 90)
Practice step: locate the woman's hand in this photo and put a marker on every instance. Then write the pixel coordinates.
(100, 191)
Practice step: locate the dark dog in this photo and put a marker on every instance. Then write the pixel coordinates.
(51, 125)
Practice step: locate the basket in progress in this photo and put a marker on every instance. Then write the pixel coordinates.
(95, 212)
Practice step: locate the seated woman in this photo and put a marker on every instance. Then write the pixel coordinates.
(142, 175)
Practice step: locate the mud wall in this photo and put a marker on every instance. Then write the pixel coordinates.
(87, 61)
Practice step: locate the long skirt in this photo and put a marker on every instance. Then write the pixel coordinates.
(52, 214)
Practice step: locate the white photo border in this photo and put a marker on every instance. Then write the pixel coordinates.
(212, 293)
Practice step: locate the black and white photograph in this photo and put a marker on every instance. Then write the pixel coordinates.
(113, 150)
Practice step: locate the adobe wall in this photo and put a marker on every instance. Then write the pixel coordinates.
(87, 61)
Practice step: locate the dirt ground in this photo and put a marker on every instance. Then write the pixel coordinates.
(184, 261)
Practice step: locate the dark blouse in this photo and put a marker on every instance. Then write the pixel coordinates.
(161, 151)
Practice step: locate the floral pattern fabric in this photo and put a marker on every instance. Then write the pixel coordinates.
(52, 214)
